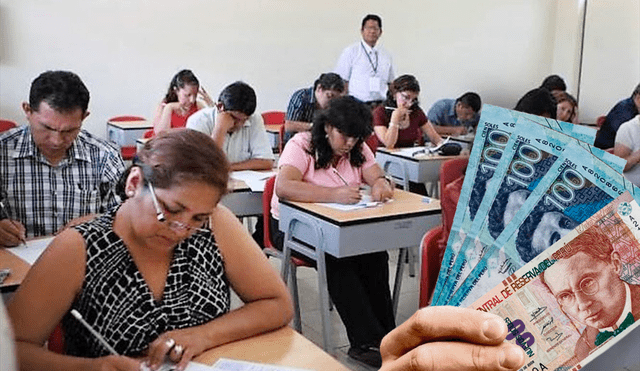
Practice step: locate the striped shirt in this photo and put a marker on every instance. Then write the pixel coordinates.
(43, 197)
(302, 105)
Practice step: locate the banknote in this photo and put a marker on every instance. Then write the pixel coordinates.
(494, 130)
(574, 189)
(578, 298)
(530, 152)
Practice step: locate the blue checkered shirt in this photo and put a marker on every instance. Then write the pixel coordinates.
(44, 197)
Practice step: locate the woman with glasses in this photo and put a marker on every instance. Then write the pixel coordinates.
(152, 276)
(329, 164)
(400, 122)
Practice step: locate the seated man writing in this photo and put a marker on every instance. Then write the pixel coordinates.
(51, 171)
(455, 116)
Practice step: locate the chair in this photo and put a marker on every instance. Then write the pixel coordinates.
(56, 340)
(600, 120)
(275, 118)
(372, 142)
(127, 152)
(432, 250)
(6, 125)
(280, 139)
(271, 251)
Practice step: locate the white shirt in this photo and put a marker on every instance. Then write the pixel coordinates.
(7, 351)
(250, 141)
(368, 71)
(629, 135)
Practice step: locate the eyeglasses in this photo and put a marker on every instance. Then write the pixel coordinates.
(589, 286)
(174, 224)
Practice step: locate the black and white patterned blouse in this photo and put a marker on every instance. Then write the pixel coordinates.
(116, 301)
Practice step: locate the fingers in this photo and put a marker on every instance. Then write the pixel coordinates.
(121, 363)
(158, 350)
(459, 356)
(12, 232)
(443, 323)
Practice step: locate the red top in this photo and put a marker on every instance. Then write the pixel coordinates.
(406, 137)
(178, 121)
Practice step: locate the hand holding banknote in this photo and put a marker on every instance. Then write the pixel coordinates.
(447, 338)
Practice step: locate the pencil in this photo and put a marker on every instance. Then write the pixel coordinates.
(78, 316)
(340, 176)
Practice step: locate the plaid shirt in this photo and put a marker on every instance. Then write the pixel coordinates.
(43, 197)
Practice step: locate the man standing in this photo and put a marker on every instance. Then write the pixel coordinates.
(586, 283)
(304, 102)
(234, 126)
(51, 171)
(455, 116)
(367, 69)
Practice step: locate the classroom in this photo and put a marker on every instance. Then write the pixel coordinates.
(126, 51)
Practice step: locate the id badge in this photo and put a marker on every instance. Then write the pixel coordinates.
(374, 84)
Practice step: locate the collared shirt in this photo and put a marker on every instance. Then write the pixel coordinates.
(629, 136)
(302, 106)
(44, 197)
(250, 141)
(359, 63)
(625, 311)
(443, 113)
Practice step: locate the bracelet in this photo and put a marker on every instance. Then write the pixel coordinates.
(387, 178)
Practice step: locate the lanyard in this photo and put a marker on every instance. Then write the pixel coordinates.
(374, 67)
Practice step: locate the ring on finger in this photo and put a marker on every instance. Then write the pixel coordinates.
(178, 349)
(170, 343)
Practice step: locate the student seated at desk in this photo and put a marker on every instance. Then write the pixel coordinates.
(328, 165)
(52, 172)
(236, 128)
(538, 102)
(180, 102)
(456, 116)
(304, 103)
(400, 122)
(151, 288)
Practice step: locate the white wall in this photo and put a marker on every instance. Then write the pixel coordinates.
(126, 51)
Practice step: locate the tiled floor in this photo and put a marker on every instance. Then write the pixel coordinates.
(311, 321)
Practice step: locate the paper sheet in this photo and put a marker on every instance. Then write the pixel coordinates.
(32, 251)
(225, 364)
(254, 179)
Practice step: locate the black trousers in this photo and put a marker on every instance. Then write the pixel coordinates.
(359, 289)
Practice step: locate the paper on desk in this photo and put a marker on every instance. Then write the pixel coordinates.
(363, 203)
(33, 250)
(225, 364)
(254, 179)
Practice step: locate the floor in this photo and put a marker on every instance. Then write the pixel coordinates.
(311, 321)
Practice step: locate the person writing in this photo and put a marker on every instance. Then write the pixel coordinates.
(54, 174)
(400, 122)
(236, 128)
(456, 116)
(180, 102)
(329, 164)
(148, 276)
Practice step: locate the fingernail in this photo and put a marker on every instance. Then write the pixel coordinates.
(494, 328)
(512, 357)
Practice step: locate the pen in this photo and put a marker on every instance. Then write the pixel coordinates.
(5, 215)
(78, 316)
(390, 108)
(340, 176)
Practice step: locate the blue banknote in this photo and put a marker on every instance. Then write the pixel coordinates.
(577, 186)
(494, 130)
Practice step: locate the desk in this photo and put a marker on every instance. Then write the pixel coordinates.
(397, 224)
(125, 133)
(423, 168)
(19, 269)
(241, 200)
(283, 347)
(273, 132)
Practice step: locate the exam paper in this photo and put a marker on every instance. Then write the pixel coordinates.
(225, 364)
(32, 251)
(254, 179)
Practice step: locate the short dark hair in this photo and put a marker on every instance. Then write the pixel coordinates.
(553, 82)
(63, 91)
(371, 17)
(472, 100)
(636, 91)
(178, 155)
(179, 80)
(538, 102)
(352, 118)
(329, 81)
(240, 97)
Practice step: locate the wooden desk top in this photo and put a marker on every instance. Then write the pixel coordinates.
(131, 124)
(420, 157)
(404, 203)
(283, 347)
(19, 269)
(274, 128)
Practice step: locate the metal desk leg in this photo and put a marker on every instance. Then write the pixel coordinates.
(323, 292)
(398, 279)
